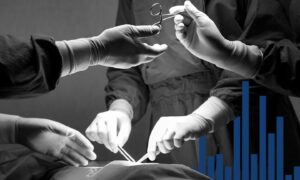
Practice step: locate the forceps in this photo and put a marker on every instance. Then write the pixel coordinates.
(125, 154)
(156, 11)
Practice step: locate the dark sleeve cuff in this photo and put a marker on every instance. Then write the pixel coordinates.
(50, 59)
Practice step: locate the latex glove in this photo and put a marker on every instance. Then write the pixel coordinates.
(54, 139)
(117, 47)
(199, 34)
(110, 128)
(171, 132)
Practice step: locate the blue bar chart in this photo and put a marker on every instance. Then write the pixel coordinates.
(268, 164)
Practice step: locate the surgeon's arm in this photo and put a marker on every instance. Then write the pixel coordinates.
(126, 98)
(200, 35)
(266, 51)
(117, 47)
(47, 137)
(216, 112)
(34, 67)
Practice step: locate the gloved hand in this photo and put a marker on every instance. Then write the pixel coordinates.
(110, 128)
(199, 34)
(171, 132)
(54, 139)
(117, 47)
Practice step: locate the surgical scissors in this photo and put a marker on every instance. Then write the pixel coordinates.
(125, 154)
(156, 10)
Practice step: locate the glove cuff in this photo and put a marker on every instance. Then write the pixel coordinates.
(8, 128)
(216, 111)
(207, 125)
(76, 55)
(245, 60)
(123, 106)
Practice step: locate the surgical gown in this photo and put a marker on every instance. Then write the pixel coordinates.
(280, 68)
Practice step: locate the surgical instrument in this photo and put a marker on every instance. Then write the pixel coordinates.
(125, 154)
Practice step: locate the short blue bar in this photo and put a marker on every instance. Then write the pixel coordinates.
(202, 155)
(237, 149)
(219, 167)
(228, 173)
(279, 148)
(211, 167)
(254, 167)
(271, 156)
(288, 177)
(296, 172)
(245, 131)
(262, 138)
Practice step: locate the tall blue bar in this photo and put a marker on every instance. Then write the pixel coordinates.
(271, 156)
(262, 138)
(211, 167)
(279, 148)
(202, 155)
(254, 167)
(219, 167)
(237, 149)
(245, 131)
(288, 177)
(228, 173)
(296, 173)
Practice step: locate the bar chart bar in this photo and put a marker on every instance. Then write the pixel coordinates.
(202, 155)
(254, 167)
(211, 167)
(245, 131)
(288, 177)
(219, 167)
(271, 156)
(279, 148)
(262, 138)
(237, 149)
(228, 173)
(296, 173)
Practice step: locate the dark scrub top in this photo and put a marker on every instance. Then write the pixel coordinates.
(28, 68)
(280, 69)
(177, 83)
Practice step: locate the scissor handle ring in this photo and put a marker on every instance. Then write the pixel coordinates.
(156, 5)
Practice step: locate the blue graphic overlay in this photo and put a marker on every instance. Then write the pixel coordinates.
(245, 131)
(262, 138)
(279, 148)
(253, 167)
(228, 173)
(202, 155)
(268, 164)
(219, 167)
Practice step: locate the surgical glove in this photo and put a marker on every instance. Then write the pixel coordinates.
(199, 34)
(111, 128)
(117, 47)
(171, 132)
(54, 139)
